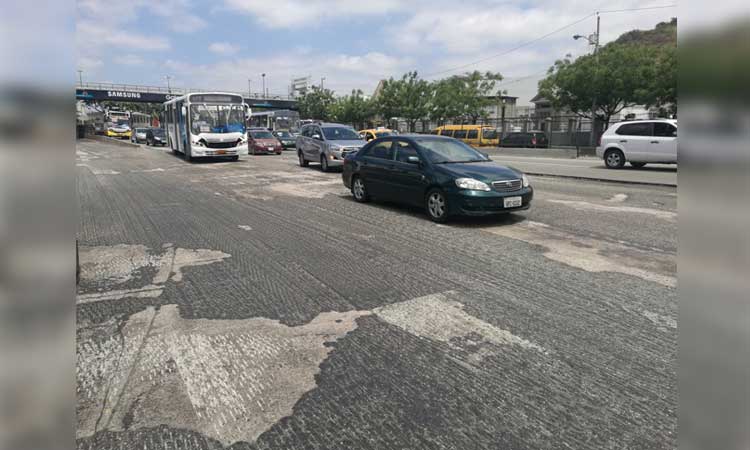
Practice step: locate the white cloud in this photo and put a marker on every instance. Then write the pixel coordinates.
(223, 48)
(129, 60)
(343, 72)
(91, 35)
(309, 13)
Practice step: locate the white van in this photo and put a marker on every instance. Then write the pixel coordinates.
(639, 142)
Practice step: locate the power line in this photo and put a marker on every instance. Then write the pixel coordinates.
(636, 9)
(533, 41)
(519, 46)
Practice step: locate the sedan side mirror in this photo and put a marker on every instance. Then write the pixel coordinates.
(317, 137)
(412, 159)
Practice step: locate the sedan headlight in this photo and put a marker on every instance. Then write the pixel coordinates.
(472, 184)
(525, 180)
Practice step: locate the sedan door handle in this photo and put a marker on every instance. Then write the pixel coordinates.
(623, 141)
(654, 142)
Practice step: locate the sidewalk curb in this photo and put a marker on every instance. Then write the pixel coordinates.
(605, 180)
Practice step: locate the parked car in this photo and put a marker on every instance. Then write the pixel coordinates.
(138, 135)
(260, 140)
(526, 139)
(374, 133)
(444, 175)
(286, 138)
(639, 142)
(327, 143)
(156, 136)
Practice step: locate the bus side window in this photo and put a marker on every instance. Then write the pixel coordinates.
(472, 134)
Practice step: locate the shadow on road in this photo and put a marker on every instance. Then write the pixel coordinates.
(454, 222)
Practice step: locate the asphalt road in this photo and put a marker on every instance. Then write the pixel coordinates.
(255, 305)
(588, 168)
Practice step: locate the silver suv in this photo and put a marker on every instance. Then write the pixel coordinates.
(327, 144)
(639, 142)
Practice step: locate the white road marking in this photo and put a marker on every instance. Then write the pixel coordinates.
(439, 317)
(618, 198)
(590, 254)
(586, 206)
(228, 379)
(663, 322)
(119, 264)
(245, 227)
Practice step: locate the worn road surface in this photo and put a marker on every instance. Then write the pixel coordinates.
(255, 305)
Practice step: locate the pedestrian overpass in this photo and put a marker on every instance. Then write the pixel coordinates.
(157, 94)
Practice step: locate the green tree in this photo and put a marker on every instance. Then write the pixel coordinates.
(316, 104)
(446, 101)
(618, 77)
(415, 96)
(475, 91)
(353, 109)
(389, 102)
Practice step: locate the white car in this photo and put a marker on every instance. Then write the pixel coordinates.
(639, 142)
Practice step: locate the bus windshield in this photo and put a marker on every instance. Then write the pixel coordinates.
(217, 119)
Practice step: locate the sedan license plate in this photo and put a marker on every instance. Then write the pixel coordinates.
(511, 202)
(270, 149)
(221, 152)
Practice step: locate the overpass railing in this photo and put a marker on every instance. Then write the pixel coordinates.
(174, 90)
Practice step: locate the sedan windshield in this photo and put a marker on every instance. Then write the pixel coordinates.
(158, 132)
(340, 134)
(261, 135)
(284, 134)
(445, 151)
(217, 119)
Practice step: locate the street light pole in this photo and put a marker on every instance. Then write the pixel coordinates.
(322, 79)
(593, 40)
(596, 68)
(249, 88)
(80, 77)
(169, 88)
(263, 75)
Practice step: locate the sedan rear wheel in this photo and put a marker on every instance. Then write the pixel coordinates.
(323, 163)
(302, 161)
(359, 190)
(437, 206)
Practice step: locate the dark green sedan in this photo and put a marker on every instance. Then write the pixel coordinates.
(441, 174)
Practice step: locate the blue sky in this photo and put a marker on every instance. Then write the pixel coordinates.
(353, 44)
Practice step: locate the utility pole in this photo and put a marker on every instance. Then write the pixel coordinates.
(263, 75)
(596, 68)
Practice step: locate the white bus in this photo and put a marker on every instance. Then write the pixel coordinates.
(206, 124)
(283, 119)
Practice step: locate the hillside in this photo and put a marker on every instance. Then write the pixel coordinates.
(663, 33)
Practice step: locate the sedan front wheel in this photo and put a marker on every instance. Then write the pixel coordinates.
(437, 206)
(359, 191)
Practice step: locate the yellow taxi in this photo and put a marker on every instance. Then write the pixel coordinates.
(119, 131)
(478, 135)
(374, 133)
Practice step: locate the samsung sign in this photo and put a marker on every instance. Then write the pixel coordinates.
(126, 96)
